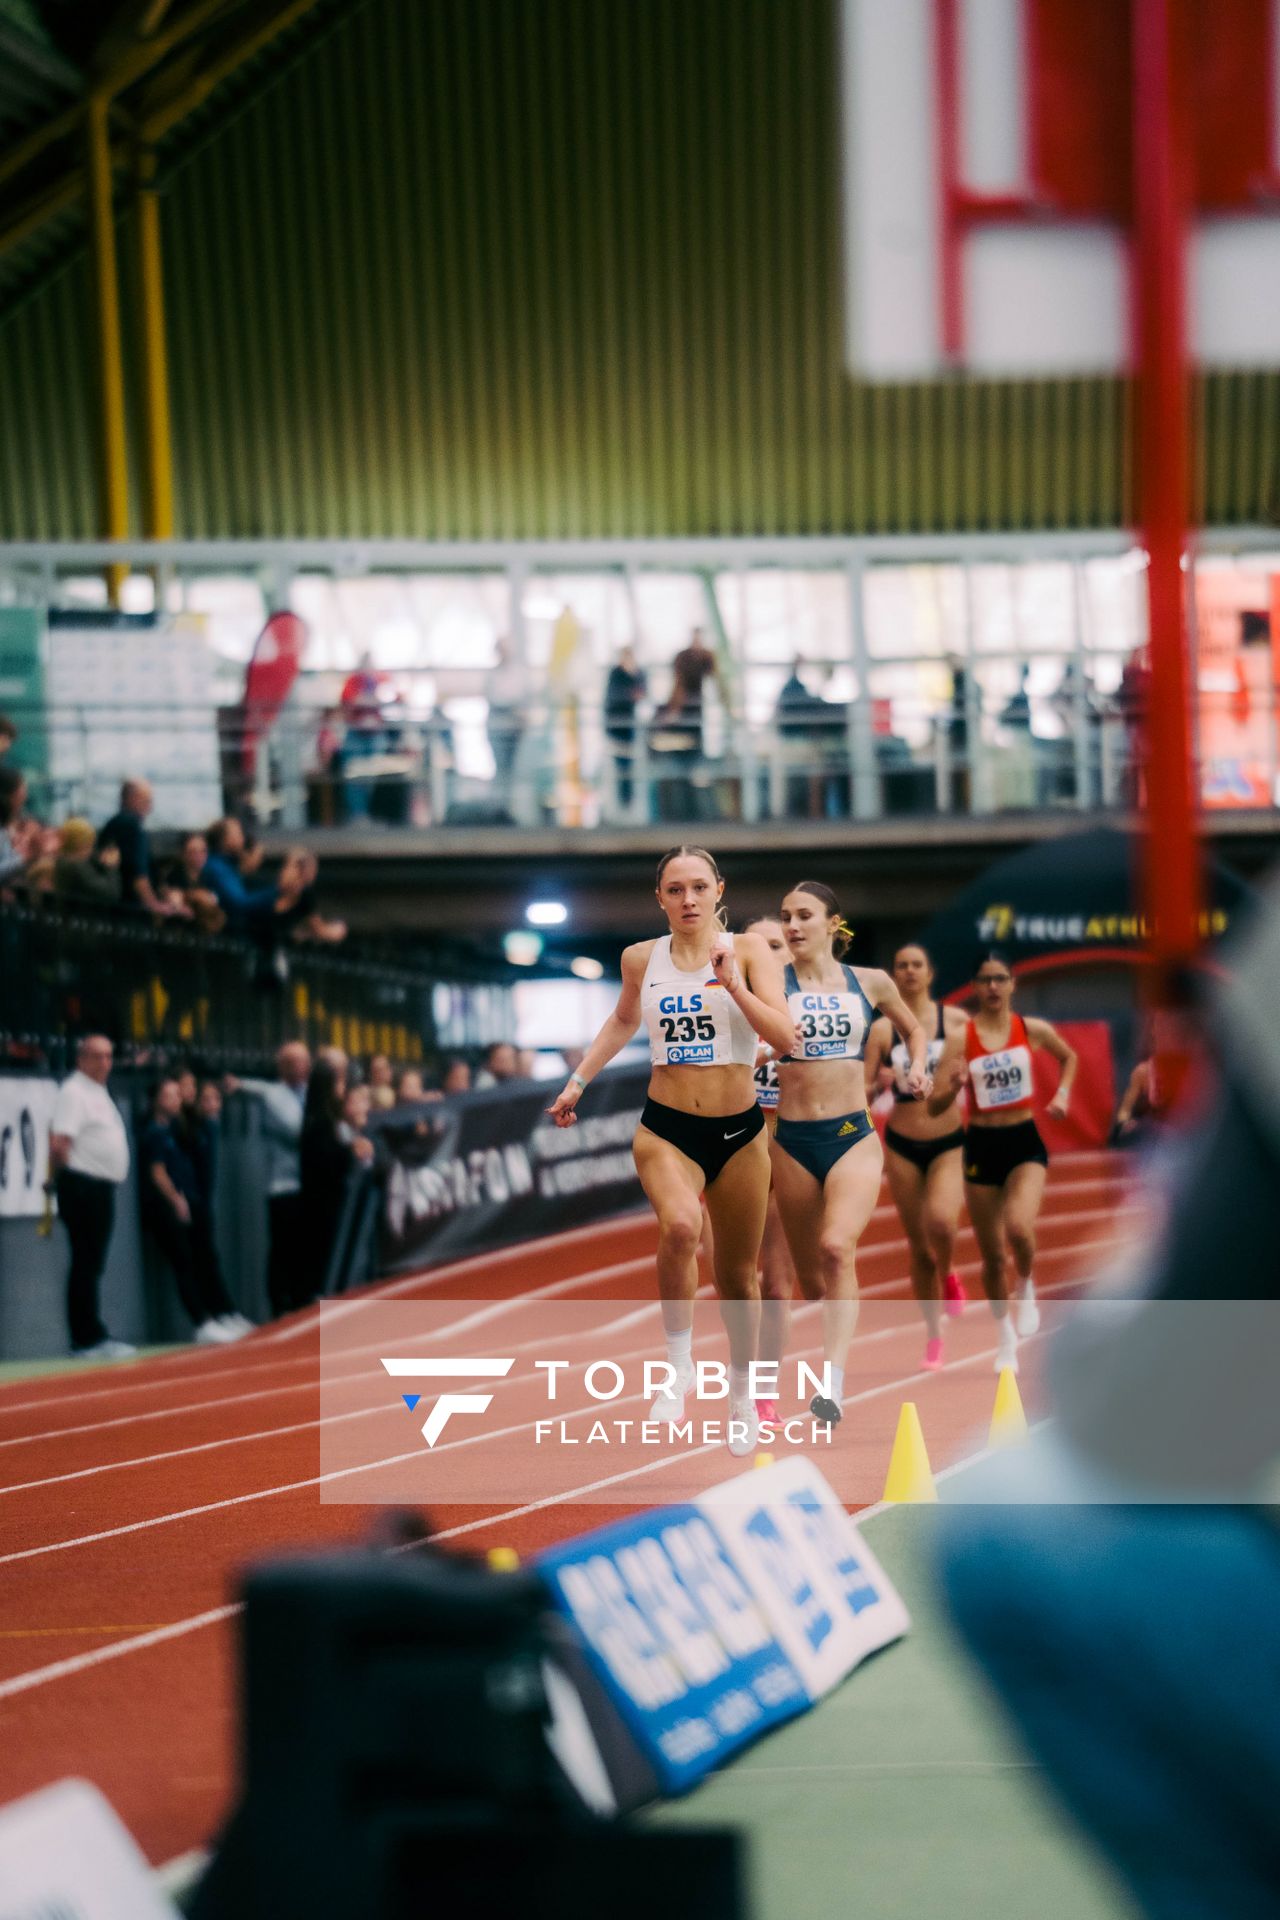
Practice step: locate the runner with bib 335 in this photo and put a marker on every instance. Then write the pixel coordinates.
(706, 997)
(827, 1158)
(1005, 1159)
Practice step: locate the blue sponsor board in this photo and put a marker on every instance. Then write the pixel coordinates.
(709, 1623)
(677, 1639)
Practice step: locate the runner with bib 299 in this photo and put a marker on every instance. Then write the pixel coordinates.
(1005, 1159)
(707, 997)
(827, 1158)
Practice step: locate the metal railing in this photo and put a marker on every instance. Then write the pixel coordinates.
(165, 992)
(573, 765)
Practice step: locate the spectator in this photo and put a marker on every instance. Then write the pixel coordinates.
(246, 910)
(501, 1063)
(22, 841)
(1016, 712)
(126, 831)
(362, 697)
(794, 718)
(183, 882)
(507, 691)
(457, 1078)
(298, 914)
(330, 1149)
(172, 1213)
(1131, 698)
(283, 1104)
(81, 874)
(89, 1157)
(381, 1083)
(8, 734)
(410, 1087)
(624, 690)
(677, 735)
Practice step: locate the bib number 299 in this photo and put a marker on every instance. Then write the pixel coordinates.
(681, 1028)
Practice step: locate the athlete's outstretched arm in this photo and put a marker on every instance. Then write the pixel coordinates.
(752, 974)
(612, 1037)
(884, 996)
(952, 1071)
(1041, 1034)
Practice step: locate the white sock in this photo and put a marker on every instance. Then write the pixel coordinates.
(1007, 1335)
(680, 1350)
(739, 1382)
(837, 1383)
(1028, 1288)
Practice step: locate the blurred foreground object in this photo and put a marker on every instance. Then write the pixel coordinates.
(410, 1741)
(1136, 1638)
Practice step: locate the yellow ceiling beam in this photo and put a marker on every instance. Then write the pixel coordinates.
(163, 121)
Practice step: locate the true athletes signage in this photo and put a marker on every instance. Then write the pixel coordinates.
(491, 1169)
(707, 1623)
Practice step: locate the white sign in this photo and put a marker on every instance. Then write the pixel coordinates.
(26, 1108)
(65, 1856)
(820, 1587)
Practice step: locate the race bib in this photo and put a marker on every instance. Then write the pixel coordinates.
(900, 1061)
(766, 1078)
(831, 1026)
(689, 1027)
(1001, 1079)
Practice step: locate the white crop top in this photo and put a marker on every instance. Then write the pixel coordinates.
(692, 1021)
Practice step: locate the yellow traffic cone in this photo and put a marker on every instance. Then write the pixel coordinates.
(502, 1559)
(910, 1476)
(1008, 1421)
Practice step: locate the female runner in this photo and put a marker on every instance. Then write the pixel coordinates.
(827, 1158)
(1005, 1160)
(777, 1274)
(923, 1150)
(707, 998)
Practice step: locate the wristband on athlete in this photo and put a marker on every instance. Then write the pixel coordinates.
(576, 1080)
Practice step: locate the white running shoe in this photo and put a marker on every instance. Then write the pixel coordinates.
(212, 1333)
(1026, 1314)
(1007, 1346)
(668, 1403)
(105, 1350)
(236, 1325)
(744, 1428)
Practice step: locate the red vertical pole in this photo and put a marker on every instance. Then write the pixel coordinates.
(946, 69)
(1163, 159)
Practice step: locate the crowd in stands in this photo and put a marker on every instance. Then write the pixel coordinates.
(213, 881)
(318, 1152)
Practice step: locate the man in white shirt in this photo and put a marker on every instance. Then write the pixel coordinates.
(89, 1152)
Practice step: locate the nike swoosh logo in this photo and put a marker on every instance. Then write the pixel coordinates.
(736, 1136)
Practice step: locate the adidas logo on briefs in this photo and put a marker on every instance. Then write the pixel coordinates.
(848, 1127)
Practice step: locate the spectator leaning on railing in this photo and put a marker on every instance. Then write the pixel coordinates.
(330, 1149)
(126, 831)
(89, 1155)
(81, 873)
(248, 910)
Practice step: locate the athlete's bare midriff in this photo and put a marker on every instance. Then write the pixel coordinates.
(709, 1091)
(821, 1089)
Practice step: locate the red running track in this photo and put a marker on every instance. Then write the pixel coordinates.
(131, 1498)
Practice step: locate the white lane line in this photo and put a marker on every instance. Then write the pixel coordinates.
(879, 1288)
(800, 1311)
(471, 1440)
(138, 1643)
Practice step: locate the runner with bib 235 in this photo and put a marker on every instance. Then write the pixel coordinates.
(706, 997)
(1005, 1159)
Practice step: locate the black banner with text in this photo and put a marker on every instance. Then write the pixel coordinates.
(489, 1170)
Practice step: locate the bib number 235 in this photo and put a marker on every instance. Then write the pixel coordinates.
(680, 1028)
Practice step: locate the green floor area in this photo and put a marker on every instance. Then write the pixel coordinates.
(902, 1793)
(65, 1363)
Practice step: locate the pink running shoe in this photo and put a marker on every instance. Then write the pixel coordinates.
(767, 1412)
(932, 1356)
(954, 1294)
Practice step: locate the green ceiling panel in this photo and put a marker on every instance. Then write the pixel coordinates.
(558, 267)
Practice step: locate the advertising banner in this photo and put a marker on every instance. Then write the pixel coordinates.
(26, 1108)
(492, 1170)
